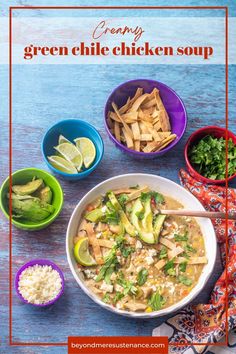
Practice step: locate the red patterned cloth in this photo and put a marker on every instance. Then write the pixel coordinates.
(205, 323)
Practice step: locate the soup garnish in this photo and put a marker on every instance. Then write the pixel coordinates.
(132, 257)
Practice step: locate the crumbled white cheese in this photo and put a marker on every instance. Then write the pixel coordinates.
(99, 234)
(106, 287)
(167, 224)
(139, 268)
(152, 252)
(113, 276)
(154, 288)
(39, 284)
(175, 224)
(104, 208)
(149, 260)
(89, 273)
(138, 245)
(118, 287)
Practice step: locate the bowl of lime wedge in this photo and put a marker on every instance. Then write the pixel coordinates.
(72, 148)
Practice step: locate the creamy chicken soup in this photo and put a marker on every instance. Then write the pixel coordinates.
(134, 258)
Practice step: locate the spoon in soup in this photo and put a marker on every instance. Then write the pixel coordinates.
(201, 214)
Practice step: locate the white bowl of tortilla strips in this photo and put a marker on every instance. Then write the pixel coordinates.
(132, 260)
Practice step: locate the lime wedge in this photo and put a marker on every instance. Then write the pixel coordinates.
(71, 154)
(62, 140)
(81, 253)
(61, 164)
(87, 149)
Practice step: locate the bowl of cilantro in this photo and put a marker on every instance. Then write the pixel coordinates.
(210, 155)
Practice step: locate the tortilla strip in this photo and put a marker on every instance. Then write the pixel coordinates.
(138, 93)
(143, 128)
(105, 243)
(136, 131)
(137, 193)
(160, 264)
(155, 113)
(110, 122)
(130, 116)
(122, 191)
(94, 243)
(137, 145)
(148, 111)
(128, 139)
(165, 125)
(150, 103)
(151, 146)
(164, 118)
(126, 117)
(146, 137)
(154, 133)
(157, 126)
(192, 260)
(127, 128)
(175, 252)
(146, 118)
(138, 102)
(124, 108)
(167, 243)
(166, 142)
(117, 131)
(82, 225)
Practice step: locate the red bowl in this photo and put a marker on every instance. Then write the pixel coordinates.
(216, 132)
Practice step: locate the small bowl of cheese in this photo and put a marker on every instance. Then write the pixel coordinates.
(39, 282)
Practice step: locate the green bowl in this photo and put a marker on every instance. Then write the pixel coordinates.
(23, 176)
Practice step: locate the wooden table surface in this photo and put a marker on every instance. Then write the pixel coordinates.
(44, 94)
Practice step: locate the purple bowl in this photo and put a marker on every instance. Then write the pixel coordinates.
(40, 262)
(172, 102)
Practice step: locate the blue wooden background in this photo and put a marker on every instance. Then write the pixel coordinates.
(44, 94)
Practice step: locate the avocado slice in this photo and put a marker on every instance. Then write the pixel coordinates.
(28, 188)
(145, 235)
(19, 197)
(32, 209)
(94, 215)
(45, 194)
(148, 217)
(158, 224)
(129, 228)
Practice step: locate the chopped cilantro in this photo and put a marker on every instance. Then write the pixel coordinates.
(122, 199)
(156, 301)
(208, 157)
(169, 265)
(163, 253)
(182, 266)
(140, 215)
(117, 297)
(157, 197)
(181, 237)
(128, 286)
(142, 276)
(184, 280)
(189, 248)
(106, 298)
(171, 272)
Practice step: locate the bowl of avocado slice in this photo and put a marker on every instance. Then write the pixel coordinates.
(32, 199)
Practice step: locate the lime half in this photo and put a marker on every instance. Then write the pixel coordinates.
(81, 253)
(71, 154)
(61, 164)
(62, 140)
(87, 149)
